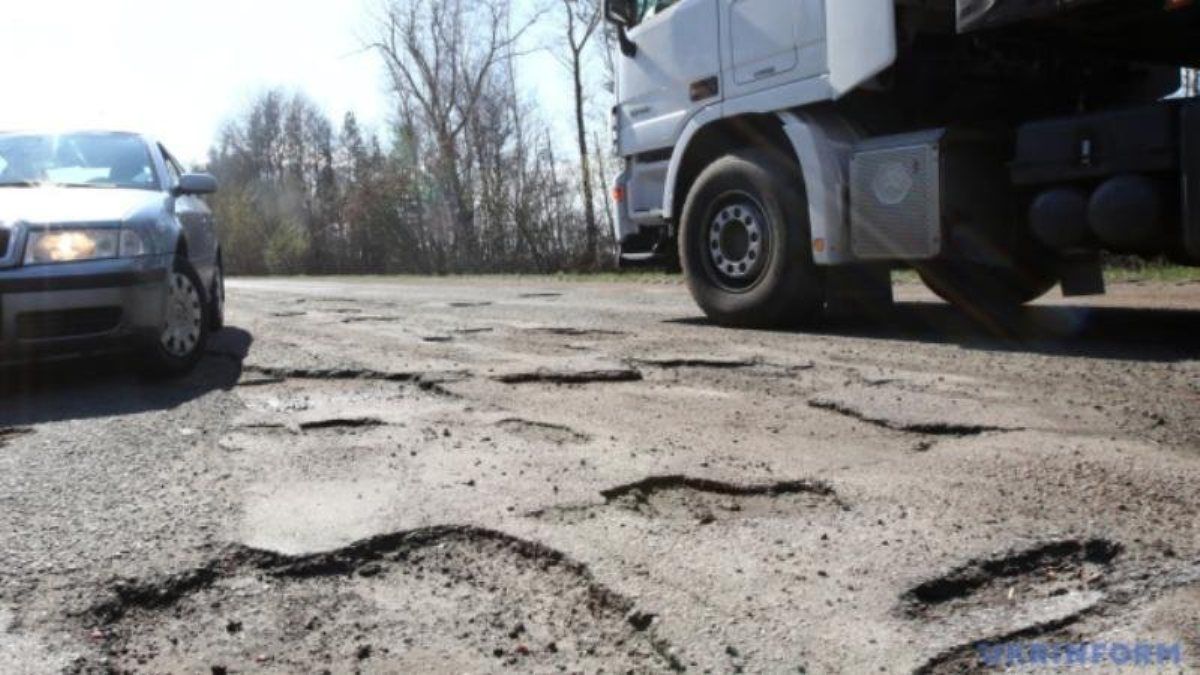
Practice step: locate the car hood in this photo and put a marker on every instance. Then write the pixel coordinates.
(64, 206)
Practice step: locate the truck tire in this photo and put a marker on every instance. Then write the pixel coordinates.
(986, 291)
(745, 246)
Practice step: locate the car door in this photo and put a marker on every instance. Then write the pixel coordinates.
(196, 219)
(678, 46)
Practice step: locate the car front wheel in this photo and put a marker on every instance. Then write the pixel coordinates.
(184, 334)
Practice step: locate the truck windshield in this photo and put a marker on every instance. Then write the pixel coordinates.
(96, 160)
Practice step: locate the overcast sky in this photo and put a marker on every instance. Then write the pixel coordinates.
(177, 70)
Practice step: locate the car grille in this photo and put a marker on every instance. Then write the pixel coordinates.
(67, 323)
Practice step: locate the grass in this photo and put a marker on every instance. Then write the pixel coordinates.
(1167, 274)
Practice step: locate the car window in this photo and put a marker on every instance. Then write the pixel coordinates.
(174, 172)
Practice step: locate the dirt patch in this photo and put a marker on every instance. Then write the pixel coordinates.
(701, 500)
(540, 295)
(1039, 573)
(557, 434)
(552, 376)
(456, 598)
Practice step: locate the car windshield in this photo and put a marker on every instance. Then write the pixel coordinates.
(88, 160)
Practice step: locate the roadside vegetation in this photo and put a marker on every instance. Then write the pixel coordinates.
(469, 178)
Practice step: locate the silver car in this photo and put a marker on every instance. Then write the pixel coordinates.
(105, 242)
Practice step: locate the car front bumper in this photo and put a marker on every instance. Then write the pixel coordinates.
(80, 307)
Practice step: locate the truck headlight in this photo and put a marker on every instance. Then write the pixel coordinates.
(77, 245)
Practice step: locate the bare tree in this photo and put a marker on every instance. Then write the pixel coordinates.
(440, 54)
(582, 19)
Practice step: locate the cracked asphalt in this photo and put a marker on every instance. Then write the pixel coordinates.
(479, 475)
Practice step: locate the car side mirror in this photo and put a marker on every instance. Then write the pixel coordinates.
(196, 184)
(622, 14)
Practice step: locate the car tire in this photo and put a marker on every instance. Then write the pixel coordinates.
(217, 299)
(183, 337)
(745, 246)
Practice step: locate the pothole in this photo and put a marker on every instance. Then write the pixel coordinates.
(334, 423)
(968, 658)
(1048, 571)
(1149, 625)
(371, 318)
(701, 500)
(468, 305)
(428, 381)
(448, 598)
(557, 434)
(562, 331)
(680, 362)
(921, 412)
(7, 434)
(586, 376)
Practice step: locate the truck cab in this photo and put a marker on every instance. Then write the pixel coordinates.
(790, 153)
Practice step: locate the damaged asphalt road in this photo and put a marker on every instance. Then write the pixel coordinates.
(502, 475)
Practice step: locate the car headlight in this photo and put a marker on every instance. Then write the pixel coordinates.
(76, 245)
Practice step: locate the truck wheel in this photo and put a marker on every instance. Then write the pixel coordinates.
(745, 247)
(986, 291)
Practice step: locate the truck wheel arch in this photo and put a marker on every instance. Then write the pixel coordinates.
(817, 140)
(704, 140)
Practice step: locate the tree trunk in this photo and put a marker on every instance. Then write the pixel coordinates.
(592, 232)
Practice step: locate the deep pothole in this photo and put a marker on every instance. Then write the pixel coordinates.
(447, 598)
(1046, 571)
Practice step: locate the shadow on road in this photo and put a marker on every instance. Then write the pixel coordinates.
(109, 386)
(1118, 333)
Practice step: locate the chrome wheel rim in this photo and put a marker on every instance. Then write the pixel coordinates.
(737, 242)
(184, 315)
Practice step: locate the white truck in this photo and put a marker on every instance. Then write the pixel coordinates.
(792, 153)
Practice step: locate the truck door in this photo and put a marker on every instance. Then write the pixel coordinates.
(678, 50)
(772, 42)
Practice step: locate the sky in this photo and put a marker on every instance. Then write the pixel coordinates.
(178, 70)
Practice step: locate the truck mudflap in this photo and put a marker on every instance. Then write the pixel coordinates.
(1191, 180)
